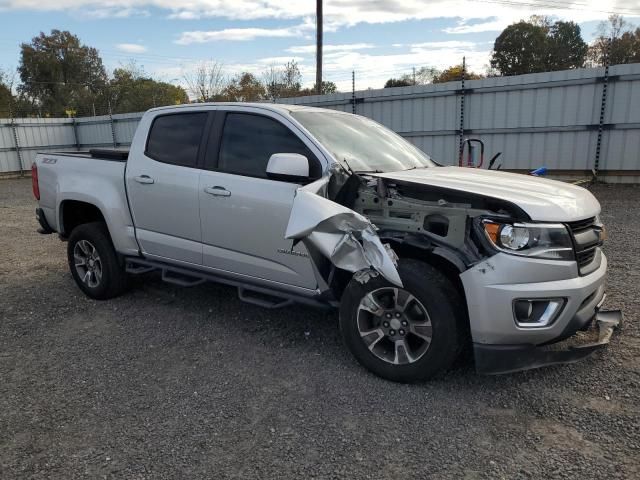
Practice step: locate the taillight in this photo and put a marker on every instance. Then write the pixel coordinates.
(34, 181)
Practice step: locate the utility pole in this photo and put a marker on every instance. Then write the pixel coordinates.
(414, 75)
(319, 47)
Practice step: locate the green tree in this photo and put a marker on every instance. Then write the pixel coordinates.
(326, 89)
(245, 87)
(6, 96)
(59, 73)
(520, 49)
(454, 74)
(619, 38)
(538, 45)
(398, 82)
(131, 90)
(565, 47)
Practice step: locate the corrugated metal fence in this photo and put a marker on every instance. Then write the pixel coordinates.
(551, 119)
(33, 135)
(574, 120)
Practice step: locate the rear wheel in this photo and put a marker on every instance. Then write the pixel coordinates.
(404, 334)
(93, 262)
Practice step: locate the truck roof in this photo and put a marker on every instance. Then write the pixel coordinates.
(276, 107)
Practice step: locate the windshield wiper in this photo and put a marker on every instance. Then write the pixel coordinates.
(351, 170)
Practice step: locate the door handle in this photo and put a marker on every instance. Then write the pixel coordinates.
(217, 191)
(145, 179)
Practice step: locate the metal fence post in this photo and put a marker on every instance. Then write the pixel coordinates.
(14, 131)
(603, 109)
(461, 128)
(353, 91)
(113, 129)
(75, 133)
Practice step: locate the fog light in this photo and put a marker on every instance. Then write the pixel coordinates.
(536, 312)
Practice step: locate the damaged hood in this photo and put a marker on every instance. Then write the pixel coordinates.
(542, 199)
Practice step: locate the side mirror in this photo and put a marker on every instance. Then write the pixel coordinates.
(288, 167)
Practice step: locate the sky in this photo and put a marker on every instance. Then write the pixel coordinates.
(377, 39)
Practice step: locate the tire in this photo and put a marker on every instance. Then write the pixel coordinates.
(90, 243)
(436, 311)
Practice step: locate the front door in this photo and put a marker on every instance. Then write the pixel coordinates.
(244, 214)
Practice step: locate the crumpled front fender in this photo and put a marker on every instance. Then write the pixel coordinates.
(348, 239)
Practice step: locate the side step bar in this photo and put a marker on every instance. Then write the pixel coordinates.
(252, 294)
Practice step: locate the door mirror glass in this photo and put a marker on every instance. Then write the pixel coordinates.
(288, 167)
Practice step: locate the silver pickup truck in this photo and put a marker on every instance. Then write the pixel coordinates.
(297, 204)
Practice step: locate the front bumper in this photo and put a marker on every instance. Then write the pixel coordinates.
(492, 286)
(497, 359)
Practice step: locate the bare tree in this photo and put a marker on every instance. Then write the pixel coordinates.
(272, 80)
(285, 81)
(206, 82)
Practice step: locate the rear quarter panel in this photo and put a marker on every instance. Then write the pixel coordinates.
(98, 182)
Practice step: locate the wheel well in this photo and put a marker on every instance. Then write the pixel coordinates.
(441, 264)
(449, 270)
(74, 213)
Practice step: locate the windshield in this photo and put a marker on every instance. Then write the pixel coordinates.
(362, 144)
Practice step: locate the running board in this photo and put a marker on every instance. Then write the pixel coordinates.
(181, 279)
(267, 300)
(249, 293)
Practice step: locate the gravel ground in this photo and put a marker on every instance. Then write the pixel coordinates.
(190, 383)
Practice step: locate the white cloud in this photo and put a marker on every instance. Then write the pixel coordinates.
(444, 44)
(109, 12)
(491, 26)
(340, 12)
(330, 48)
(131, 48)
(233, 34)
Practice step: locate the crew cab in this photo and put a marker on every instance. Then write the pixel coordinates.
(298, 204)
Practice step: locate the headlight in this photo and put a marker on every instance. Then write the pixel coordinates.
(541, 240)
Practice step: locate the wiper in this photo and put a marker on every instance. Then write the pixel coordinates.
(351, 170)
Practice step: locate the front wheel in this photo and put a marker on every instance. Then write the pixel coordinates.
(404, 334)
(93, 262)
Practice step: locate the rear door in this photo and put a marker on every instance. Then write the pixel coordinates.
(244, 214)
(162, 184)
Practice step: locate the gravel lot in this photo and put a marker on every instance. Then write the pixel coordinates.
(167, 382)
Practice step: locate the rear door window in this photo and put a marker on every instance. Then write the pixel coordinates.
(176, 138)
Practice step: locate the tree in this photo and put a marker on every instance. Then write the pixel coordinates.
(398, 82)
(326, 89)
(131, 90)
(206, 82)
(6, 95)
(425, 75)
(59, 73)
(538, 46)
(244, 88)
(565, 47)
(454, 74)
(422, 76)
(282, 82)
(617, 37)
(520, 49)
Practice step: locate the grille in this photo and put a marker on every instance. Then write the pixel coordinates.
(581, 224)
(586, 240)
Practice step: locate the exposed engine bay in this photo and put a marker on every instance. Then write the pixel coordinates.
(361, 222)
